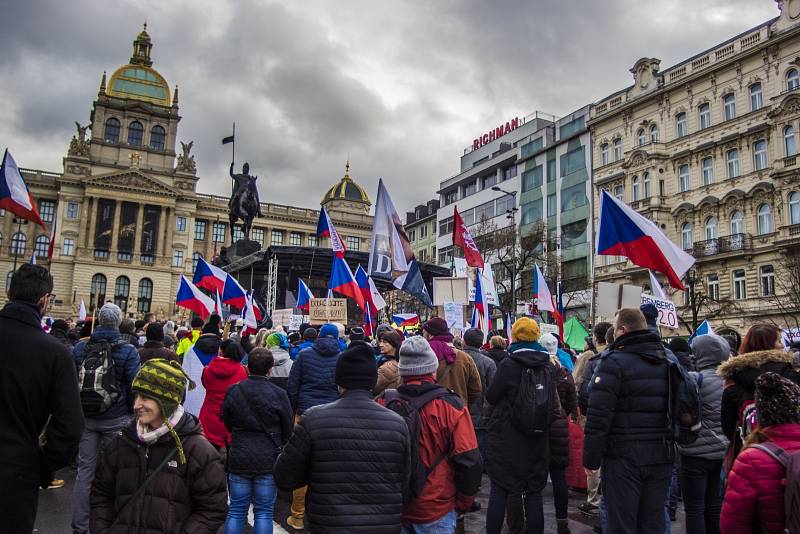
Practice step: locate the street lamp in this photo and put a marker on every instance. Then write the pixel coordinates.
(511, 214)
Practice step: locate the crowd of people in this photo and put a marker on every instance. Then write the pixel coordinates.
(176, 428)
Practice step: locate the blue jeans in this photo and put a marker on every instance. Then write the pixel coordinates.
(259, 490)
(444, 525)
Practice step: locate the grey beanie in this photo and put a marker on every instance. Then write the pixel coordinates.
(417, 357)
(110, 315)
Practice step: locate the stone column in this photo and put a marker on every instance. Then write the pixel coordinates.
(170, 222)
(115, 226)
(92, 221)
(160, 237)
(137, 240)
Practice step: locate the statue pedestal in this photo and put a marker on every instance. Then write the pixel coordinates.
(240, 249)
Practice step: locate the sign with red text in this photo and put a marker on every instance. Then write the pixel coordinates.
(497, 133)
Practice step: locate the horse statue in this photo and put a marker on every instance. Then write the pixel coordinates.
(244, 203)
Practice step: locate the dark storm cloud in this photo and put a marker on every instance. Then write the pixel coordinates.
(400, 87)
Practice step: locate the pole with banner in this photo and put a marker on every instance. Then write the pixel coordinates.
(232, 140)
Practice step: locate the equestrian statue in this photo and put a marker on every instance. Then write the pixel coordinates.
(244, 203)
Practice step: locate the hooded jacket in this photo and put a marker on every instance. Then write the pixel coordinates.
(155, 349)
(62, 335)
(220, 375)
(627, 415)
(498, 355)
(183, 498)
(311, 379)
(388, 375)
(740, 373)
(461, 376)
(711, 443)
(515, 461)
(281, 367)
(486, 370)
(186, 343)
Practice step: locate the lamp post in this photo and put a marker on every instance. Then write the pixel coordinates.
(511, 214)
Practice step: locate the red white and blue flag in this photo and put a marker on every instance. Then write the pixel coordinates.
(624, 232)
(368, 290)
(14, 194)
(508, 326)
(209, 276)
(325, 228)
(342, 281)
(481, 306)
(193, 299)
(369, 327)
(249, 317)
(217, 304)
(304, 296)
(544, 299)
(405, 319)
(233, 293)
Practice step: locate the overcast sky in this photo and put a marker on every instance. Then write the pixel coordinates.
(402, 87)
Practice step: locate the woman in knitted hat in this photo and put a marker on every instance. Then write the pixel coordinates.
(388, 372)
(160, 474)
(754, 498)
(278, 344)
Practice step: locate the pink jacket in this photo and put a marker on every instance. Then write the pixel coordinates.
(755, 486)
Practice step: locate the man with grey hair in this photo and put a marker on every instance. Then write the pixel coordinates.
(104, 418)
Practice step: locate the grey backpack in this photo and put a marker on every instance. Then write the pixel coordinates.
(97, 378)
(791, 483)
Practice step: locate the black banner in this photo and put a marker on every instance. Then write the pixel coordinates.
(152, 214)
(104, 224)
(127, 227)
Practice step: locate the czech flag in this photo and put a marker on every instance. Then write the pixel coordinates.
(343, 282)
(544, 299)
(14, 194)
(368, 290)
(405, 319)
(208, 276)
(193, 299)
(703, 330)
(325, 229)
(233, 293)
(304, 296)
(624, 232)
(217, 304)
(249, 317)
(368, 326)
(481, 306)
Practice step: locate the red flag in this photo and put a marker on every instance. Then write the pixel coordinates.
(463, 240)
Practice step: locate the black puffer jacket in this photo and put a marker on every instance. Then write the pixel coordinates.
(498, 355)
(186, 498)
(627, 414)
(559, 430)
(586, 381)
(259, 417)
(354, 456)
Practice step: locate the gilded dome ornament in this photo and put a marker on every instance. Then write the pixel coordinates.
(346, 189)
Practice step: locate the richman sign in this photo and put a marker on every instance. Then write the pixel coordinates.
(497, 133)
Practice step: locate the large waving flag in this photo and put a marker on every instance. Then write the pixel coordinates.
(367, 286)
(249, 317)
(544, 299)
(481, 306)
(304, 296)
(14, 194)
(391, 256)
(193, 299)
(624, 232)
(342, 281)
(233, 293)
(405, 319)
(325, 228)
(209, 276)
(655, 288)
(463, 240)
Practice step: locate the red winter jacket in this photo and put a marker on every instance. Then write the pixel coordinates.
(217, 377)
(755, 486)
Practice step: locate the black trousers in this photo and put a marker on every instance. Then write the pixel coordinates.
(702, 499)
(635, 496)
(20, 499)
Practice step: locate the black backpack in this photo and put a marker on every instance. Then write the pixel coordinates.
(530, 409)
(97, 378)
(685, 405)
(408, 407)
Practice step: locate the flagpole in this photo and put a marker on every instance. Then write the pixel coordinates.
(233, 157)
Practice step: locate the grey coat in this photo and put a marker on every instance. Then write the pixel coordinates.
(709, 352)
(486, 370)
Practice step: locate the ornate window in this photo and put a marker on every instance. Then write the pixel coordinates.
(200, 230)
(68, 247)
(686, 236)
(764, 219)
(619, 192)
(40, 246)
(739, 285)
(604, 153)
(711, 228)
(258, 235)
(641, 137)
(732, 157)
(135, 133)
(792, 79)
(177, 258)
(218, 232)
(680, 124)
(760, 155)
(277, 237)
(180, 224)
(313, 240)
(646, 185)
(708, 171)
(72, 210)
(145, 295)
(737, 223)
(683, 177)
(97, 291)
(788, 141)
(122, 290)
(617, 149)
(767, 281)
(47, 210)
(111, 133)
(195, 259)
(704, 112)
(712, 284)
(296, 239)
(635, 188)
(729, 102)
(794, 208)
(756, 97)
(654, 133)
(18, 243)
(157, 138)
(353, 242)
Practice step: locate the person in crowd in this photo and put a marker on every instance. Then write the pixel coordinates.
(341, 340)
(761, 351)
(352, 454)
(497, 349)
(564, 354)
(199, 354)
(754, 498)
(383, 327)
(127, 332)
(159, 475)
(258, 415)
(309, 337)
(627, 429)
(701, 461)
(356, 334)
(388, 372)
(220, 374)
(40, 411)
(215, 320)
(680, 348)
(457, 371)
(60, 330)
(278, 344)
(473, 339)
(194, 334)
(311, 383)
(517, 462)
(734, 340)
(154, 346)
(170, 339)
(447, 446)
(261, 337)
(102, 423)
(602, 335)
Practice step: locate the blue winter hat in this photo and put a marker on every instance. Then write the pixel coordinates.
(329, 330)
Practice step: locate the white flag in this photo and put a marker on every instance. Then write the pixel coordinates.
(655, 287)
(82, 311)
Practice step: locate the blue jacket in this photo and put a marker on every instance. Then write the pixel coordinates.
(312, 378)
(126, 365)
(565, 359)
(302, 346)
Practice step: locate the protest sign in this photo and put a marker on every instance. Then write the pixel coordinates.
(667, 314)
(327, 310)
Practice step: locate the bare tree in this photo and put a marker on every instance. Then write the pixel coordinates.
(700, 305)
(785, 299)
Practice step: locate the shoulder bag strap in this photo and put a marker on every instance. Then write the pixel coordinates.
(145, 484)
(776, 452)
(265, 426)
(418, 403)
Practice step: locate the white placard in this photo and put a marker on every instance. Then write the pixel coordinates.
(487, 279)
(296, 321)
(454, 315)
(791, 335)
(546, 328)
(667, 314)
(281, 317)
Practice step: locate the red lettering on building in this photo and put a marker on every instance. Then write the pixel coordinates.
(496, 133)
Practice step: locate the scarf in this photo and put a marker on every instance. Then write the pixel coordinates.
(442, 348)
(149, 437)
(533, 345)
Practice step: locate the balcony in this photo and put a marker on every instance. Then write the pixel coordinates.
(124, 257)
(147, 259)
(789, 162)
(101, 254)
(721, 245)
